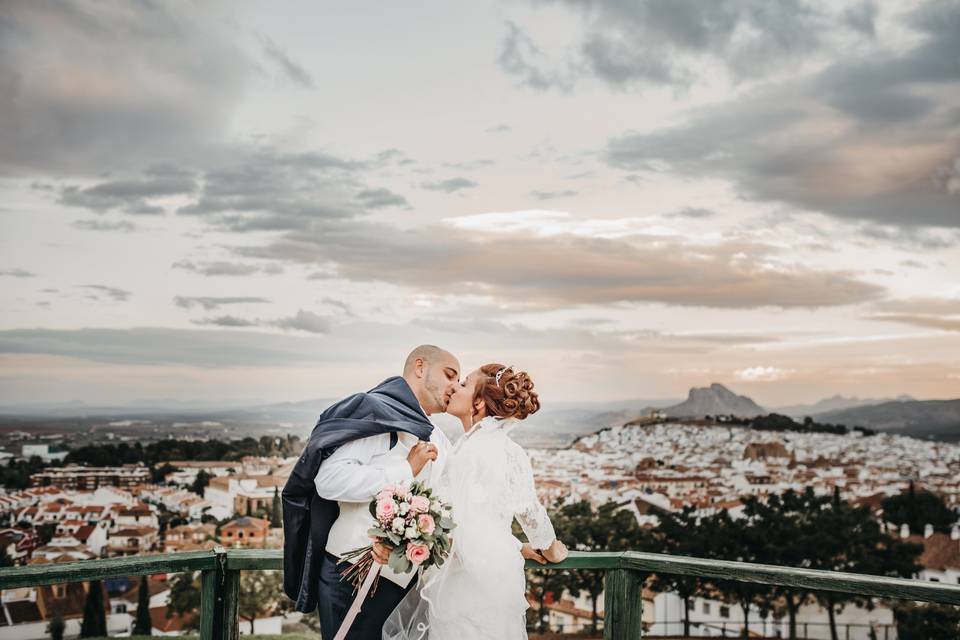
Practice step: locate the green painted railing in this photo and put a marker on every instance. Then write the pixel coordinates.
(623, 603)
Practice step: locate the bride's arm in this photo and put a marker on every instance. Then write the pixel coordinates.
(532, 515)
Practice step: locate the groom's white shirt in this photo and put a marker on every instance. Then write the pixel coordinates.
(357, 471)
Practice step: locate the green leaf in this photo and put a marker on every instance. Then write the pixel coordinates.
(398, 560)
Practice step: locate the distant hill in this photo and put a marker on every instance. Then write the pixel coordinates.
(715, 400)
(939, 419)
(835, 403)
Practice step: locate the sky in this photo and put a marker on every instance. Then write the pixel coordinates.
(243, 202)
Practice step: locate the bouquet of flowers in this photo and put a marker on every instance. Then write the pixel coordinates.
(412, 520)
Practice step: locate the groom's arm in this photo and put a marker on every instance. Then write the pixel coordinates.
(353, 473)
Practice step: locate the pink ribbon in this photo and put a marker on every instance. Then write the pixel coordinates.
(358, 601)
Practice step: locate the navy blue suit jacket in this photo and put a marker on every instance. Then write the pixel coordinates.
(307, 518)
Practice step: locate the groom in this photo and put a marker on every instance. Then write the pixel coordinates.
(359, 445)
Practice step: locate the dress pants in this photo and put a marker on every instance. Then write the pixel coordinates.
(336, 595)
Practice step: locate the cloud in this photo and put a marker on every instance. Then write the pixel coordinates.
(290, 69)
(119, 295)
(500, 128)
(380, 198)
(130, 195)
(157, 346)
(470, 165)
(858, 139)
(763, 374)
(267, 190)
(675, 42)
(553, 195)
(519, 268)
(224, 268)
(450, 185)
(226, 321)
(89, 87)
(304, 321)
(123, 226)
(209, 303)
(930, 321)
(520, 57)
(16, 273)
(693, 212)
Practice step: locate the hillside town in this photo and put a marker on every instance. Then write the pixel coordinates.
(73, 512)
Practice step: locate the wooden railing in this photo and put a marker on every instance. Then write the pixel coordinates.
(623, 603)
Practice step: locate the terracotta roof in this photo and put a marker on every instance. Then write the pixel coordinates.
(940, 552)
(83, 533)
(247, 522)
(134, 531)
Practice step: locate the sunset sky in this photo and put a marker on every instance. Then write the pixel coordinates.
(247, 202)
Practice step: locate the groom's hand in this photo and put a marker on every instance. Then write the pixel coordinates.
(420, 454)
(381, 552)
(529, 553)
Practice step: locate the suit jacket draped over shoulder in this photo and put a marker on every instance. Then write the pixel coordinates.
(391, 406)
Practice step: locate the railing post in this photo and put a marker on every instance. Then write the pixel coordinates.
(622, 605)
(219, 600)
(211, 598)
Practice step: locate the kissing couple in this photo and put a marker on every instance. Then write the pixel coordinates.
(385, 437)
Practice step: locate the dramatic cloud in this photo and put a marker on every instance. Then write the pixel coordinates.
(670, 41)
(267, 190)
(933, 313)
(523, 270)
(97, 291)
(858, 140)
(209, 303)
(88, 87)
(451, 185)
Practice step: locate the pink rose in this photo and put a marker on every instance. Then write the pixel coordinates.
(426, 524)
(417, 553)
(420, 504)
(386, 510)
(386, 494)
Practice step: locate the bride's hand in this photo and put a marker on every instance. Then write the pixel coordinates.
(528, 552)
(556, 552)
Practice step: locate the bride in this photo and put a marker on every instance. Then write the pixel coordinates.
(480, 592)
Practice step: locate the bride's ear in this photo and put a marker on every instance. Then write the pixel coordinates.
(479, 406)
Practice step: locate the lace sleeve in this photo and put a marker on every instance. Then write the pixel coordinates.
(531, 515)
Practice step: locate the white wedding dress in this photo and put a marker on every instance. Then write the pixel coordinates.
(480, 591)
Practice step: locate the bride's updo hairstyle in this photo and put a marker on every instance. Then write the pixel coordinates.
(507, 395)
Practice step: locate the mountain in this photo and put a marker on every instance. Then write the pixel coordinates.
(938, 419)
(715, 400)
(835, 403)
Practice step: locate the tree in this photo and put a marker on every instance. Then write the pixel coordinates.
(160, 473)
(185, 599)
(94, 624)
(608, 528)
(259, 593)
(276, 510)
(56, 626)
(680, 534)
(849, 539)
(788, 523)
(917, 509)
(927, 622)
(46, 531)
(143, 625)
(200, 482)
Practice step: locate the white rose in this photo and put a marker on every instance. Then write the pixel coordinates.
(435, 505)
(397, 525)
(412, 533)
(404, 507)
